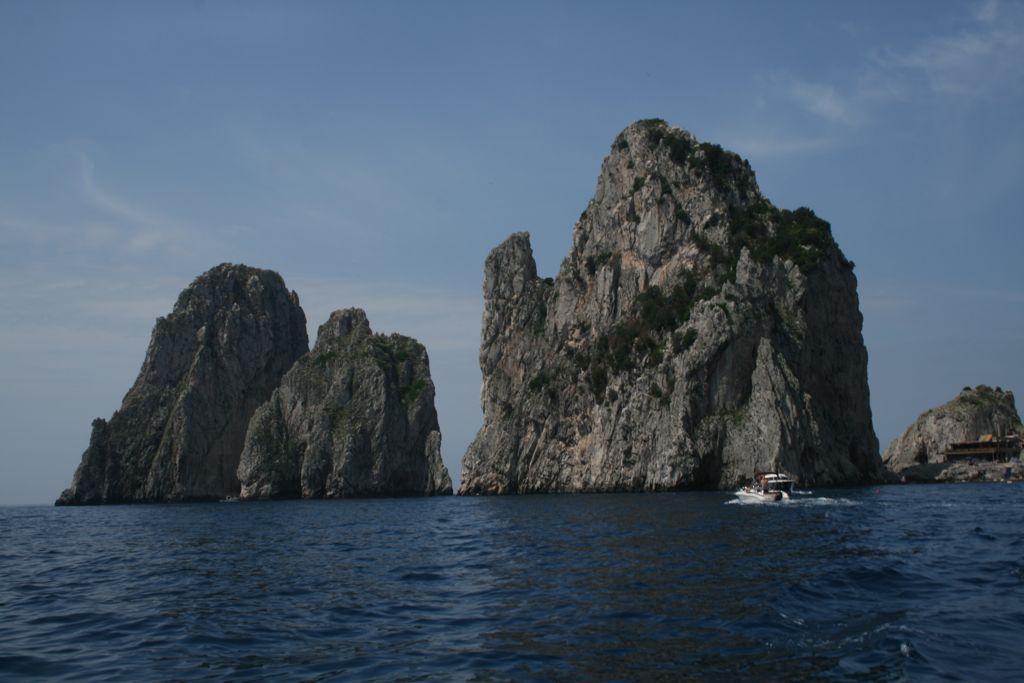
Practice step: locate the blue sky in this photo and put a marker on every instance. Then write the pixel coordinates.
(374, 152)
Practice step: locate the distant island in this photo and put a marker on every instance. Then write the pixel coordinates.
(974, 437)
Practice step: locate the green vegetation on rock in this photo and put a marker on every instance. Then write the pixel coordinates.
(598, 261)
(320, 359)
(799, 236)
(638, 336)
(410, 392)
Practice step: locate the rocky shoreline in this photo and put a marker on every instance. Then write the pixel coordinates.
(962, 472)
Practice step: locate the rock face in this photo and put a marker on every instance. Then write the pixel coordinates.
(180, 429)
(694, 333)
(354, 417)
(969, 416)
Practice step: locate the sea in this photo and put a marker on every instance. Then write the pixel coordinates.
(894, 583)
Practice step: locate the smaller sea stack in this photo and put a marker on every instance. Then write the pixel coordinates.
(354, 417)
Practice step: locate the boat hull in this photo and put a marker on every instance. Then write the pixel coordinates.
(760, 496)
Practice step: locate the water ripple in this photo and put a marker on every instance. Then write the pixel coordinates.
(877, 584)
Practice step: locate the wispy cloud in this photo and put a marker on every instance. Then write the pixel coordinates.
(93, 218)
(985, 53)
(821, 99)
(983, 56)
(987, 10)
(141, 228)
(775, 146)
(104, 200)
(777, 95)
(967, 62)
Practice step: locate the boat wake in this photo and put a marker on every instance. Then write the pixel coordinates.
(803, 500)
(821, 500)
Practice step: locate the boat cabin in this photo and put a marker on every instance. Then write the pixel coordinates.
(771, 482)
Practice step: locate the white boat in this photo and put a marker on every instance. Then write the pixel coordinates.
(768, 487)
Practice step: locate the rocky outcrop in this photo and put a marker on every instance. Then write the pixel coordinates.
(180, 429)
(354, 417)
(694, 334)
(960, 471)
(968, 417)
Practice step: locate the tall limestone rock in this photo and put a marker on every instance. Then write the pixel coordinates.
(354, 417)
(180, 429)
(695, 333)
(968, 417)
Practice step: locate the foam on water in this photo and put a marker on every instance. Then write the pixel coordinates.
(802, 498)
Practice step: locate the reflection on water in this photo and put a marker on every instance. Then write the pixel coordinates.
(875, 584)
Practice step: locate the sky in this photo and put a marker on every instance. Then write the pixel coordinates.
(374, 152)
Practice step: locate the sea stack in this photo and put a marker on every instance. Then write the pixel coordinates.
(211, 362)
(920, 452)
(694, 334)
(354, 417)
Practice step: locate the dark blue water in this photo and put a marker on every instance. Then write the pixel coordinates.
(896, 583)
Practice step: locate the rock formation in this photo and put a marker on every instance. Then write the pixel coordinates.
(969, 416)
(180, 429)
(694, 333)
(956, 472)
(354, 417)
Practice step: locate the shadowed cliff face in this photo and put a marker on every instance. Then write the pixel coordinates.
(969, 416)
(180, 429)
(354, 417)
(694, 333)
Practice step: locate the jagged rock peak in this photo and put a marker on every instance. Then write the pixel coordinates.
(969, 416)
(350, 321)
(354, 417)
(694, 333)
(179, 431)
